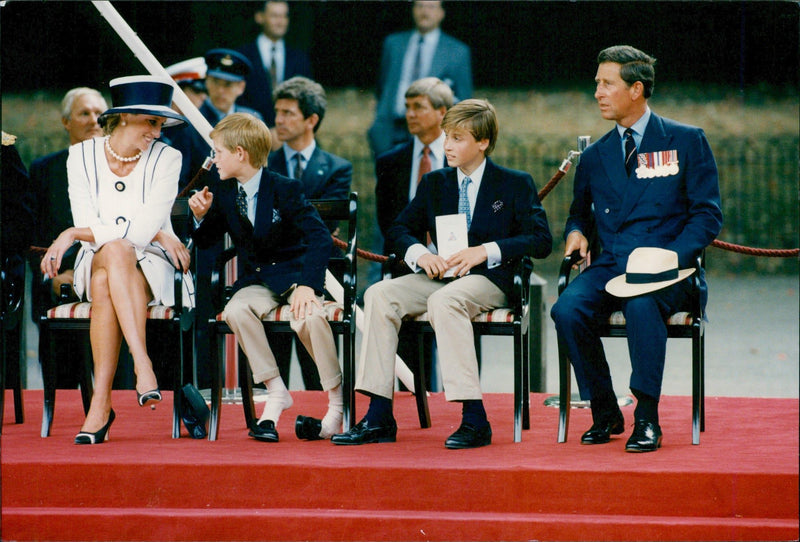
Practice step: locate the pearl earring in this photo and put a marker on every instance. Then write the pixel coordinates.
(124, 123)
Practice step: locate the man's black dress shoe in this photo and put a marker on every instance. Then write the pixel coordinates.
(601, 431)
(307, 428)
(646, 437)
(364, 433)
(468, 436)
(264, 431)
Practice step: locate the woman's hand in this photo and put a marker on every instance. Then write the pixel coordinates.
(200, 203)
(178, 253)
(51, 261)
(302, 300)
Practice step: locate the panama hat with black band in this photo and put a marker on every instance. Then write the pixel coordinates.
(143, 95)
(649, 269)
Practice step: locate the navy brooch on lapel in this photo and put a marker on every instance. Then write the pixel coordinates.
(497, 206)
(657, 164)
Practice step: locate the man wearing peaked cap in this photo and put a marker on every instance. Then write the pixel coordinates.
(225, 72)
(190, 75)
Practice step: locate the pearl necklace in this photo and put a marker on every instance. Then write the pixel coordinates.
(121, 158)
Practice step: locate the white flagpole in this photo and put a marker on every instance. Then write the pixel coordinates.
(203, 127)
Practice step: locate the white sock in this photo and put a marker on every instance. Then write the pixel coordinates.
(278, 400)
(332, 422)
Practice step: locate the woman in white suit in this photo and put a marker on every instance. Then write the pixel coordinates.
(121, 188)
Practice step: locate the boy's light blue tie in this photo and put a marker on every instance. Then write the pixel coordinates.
(463, 200)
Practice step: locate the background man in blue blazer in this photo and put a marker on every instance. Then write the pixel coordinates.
(282, 246)
(653, 186)
(504, 221)
(400, 169)
(411, 55)
(273, 61)
(300, 106)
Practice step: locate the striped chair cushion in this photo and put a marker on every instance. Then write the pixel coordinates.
(334, 312)
(83, 310)
(677, 319)
(496, 315)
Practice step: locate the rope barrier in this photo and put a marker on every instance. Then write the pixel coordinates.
(546, 189)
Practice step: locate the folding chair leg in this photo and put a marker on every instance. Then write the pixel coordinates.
(177, 384)
(246, 385)
(216, 347)
(348, 381)
(697, 386)
(526, 381)
(518, 384)
(46, 349)
(420, 389)
(19, 413)
(564, 393)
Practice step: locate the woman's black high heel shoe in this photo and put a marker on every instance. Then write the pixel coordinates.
(149, 398)
(84, 437)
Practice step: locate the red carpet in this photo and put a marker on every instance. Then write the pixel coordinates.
(741, 483)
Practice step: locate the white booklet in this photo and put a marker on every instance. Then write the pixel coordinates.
(451, 235)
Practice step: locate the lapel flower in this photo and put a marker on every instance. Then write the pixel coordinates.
(497, 206)
(276, 216)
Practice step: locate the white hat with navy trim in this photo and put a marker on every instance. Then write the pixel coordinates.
(648, 269)
(143, 95)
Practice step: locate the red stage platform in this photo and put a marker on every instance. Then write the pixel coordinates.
(741, 483)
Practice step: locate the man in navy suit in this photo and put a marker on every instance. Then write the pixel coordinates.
(503, 221)
(400, 169)
(300, 106)
(282, 246)
(273, 61)
(411, 55)
(667, 198)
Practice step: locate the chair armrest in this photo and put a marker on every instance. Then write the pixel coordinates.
(696, 305)
(566, 268)
(218, 295)
(523, 269)
(12, 289)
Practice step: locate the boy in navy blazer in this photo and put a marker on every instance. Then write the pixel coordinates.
(667, 199)
(283, 247)
(505, 221)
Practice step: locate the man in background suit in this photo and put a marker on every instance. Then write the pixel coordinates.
(411, 55)
(273, 61)
(282, 246)
(503, 221)
(649, 182)
(399, 170)
(300, 106)
(80, 109)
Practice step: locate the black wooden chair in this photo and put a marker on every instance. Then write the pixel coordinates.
(75, 316)
(522, 322)
(12, 296)
(341, 316)
(684, 325)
